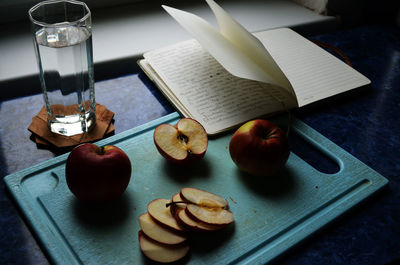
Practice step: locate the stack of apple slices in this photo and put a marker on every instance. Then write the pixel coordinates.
(164, 228)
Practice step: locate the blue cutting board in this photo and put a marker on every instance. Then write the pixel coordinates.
(270, 216)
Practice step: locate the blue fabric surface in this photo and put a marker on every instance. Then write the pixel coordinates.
(366, 124)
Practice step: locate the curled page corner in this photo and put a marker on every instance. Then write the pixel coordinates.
(232, 56)
(248, 44)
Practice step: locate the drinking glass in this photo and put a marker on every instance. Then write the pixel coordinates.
(62, 37)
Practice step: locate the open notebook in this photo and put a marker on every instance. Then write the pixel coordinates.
(224, 78)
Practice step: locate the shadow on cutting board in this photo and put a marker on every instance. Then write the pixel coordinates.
(105, 214)
(280, 184)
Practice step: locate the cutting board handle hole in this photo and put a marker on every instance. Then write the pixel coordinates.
(313, 154)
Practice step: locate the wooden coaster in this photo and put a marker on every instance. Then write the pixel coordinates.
(45, 138)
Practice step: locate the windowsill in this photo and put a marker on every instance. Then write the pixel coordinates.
(122, 34)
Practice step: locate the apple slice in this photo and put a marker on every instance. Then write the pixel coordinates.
(177, 203)
(162, 214)
(195, 225)
(159, 233)
(178, 211)
(208, 215)
(160, 252)
(183, 143)
(203, 198)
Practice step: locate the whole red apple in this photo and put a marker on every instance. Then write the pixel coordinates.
(97, 174)
(182, 143)
(259, 147)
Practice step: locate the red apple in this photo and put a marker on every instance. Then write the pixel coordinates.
(182, 143)
(259, 147)
(97, 174)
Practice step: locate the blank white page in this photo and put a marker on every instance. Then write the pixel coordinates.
(313, 72)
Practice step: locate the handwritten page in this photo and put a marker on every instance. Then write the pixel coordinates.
(224, 78)
(208, 92)
(314, 73)
(282, 57)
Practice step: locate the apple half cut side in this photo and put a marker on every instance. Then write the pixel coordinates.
(194, 225)
(162, 214)
(211, 216)
(160, 252)
(159, 233)
(203, 198)
(183, 143)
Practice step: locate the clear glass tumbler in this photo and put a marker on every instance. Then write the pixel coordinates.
(62, 37)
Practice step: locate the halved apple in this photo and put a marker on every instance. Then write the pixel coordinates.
(159, 233)
(162, 214)
(160, 252)
(203, 198)
(183, 143)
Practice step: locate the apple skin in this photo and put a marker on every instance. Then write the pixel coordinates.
(259, 147)
(96, 174)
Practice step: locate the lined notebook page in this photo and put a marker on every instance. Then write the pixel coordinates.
(313, 72)
(210, 94)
